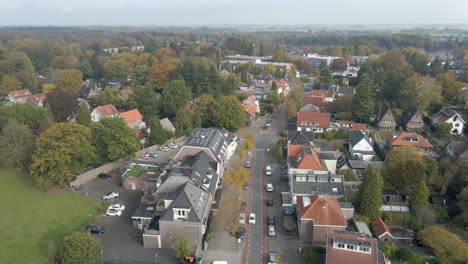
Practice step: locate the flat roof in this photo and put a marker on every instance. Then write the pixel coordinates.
(362, 227)
(144, 211)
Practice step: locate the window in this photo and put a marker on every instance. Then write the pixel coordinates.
(335, 190)
(311, 178)
(364, 249)
(322, 179)
(303, 123)
(301, 178)
(350, 247)
(312, 123)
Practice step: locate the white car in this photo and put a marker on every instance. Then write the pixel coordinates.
(173, 146)
(269, 187)
(242, 218)
(252, 219)
(110, 195)
(165, 149)
(271, 230)
(268, 170)
(113, 212)
(119, 207)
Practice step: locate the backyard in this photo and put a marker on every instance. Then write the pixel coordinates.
(38, 221)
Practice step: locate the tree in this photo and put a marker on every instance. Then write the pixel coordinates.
(25, 70)
(114, 139)
(158, 134)
(393, 61)
(146, 101)
(109, 95)
(86, 68)
(443, 242)
(84, 116)
(9, 83)
(420, 196)
(231, 84)
(61, 152)
(363, 102)
(80, 248)
(230, 209)
(70, 81)
(27, 114)
(291, 108)
(449, 86)
(229, 113)
(289, 223)
(235, 179)
(16, 142)
(64, 105)
(175, 96)
(444, 128)
(159, 74)
(182, 247)
(404, 167)
(116, 69)
(369, 198)
(344, 103)
(338, 65)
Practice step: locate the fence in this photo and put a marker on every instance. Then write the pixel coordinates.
(89, 175)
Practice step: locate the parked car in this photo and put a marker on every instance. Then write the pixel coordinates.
(241, 233)
(153, 154)
(271, 220)
(113, 212)
(242, 218)
(252, 218)
(96, 229)
(271, 230)
(165, 149)
(271, 258)
(246, 186)
(104, 176)
(119, 207)
(269, 201)
(247, 164)
(110, 195)
(288, 211)
(268, 170)
(173, 146)
(269, 187)
(199, 261)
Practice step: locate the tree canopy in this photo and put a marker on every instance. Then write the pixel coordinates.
(16, 143)
(363, 102)
(404, 167)
(175, 96)
(79, 248)
(420, 196)
(182, 247)
(370, 193)
(63, 105)
(70, 81)
(443, 242)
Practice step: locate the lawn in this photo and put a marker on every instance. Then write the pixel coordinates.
(33, 222)
(137, 170)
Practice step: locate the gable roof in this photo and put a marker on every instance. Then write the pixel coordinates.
(37, 98)
(380, 228)
(167, 124)
(300, 137)
(352, 125)
(20, 93)
(106, 110)
(337, 255)
(132, 115)
(446, 113)
(249, 108)
(459, 147)
(304, 157)
(309, 108)
(321, 120)
(320, 93)
(410, 114)
(216, 140)
(324, 210)
(383, 111)
(348, 90)
(356, 137)
(265, 75)
(402, 139)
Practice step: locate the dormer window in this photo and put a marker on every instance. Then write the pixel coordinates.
(181, 214)
(313, 123)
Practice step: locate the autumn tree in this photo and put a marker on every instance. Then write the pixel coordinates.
(70, 81)
(236, 178)
(363, 102)
(443, 242)
(175, 96)
(9, 83)
(114, 139)
(64, 105)
(404, 167)
(80, 247)
(159, 74)
(230, 209)
(182, 247)
(84, 116)
(393, 60)
(344, 103)
(109, 95)
(16, 142)
(291, 109)
(369, 198)
(61, 152)
(420, 196)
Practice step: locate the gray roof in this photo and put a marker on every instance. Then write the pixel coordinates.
(409, 114)
(214, 139)
(362, 164)
(318, 188)
(329, 86)
(170, 185)
(327, 155)
(144, 211)
(385, 108)
(346, 90)
(310, 108)
(265, 75)
(362, 227)
(300, 137)
(356, 137)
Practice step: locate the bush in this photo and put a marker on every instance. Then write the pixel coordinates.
(362, 218)
(389, 250)
(342, 133)
(329, 135)
(398, 219)
(348, 174)
(313, 254)
(407, 256)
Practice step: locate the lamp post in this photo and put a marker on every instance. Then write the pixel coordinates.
(102, 255)
(156, 258)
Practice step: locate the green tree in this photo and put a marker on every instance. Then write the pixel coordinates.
(231, 84)
(79, 248)
(369, 197)
(9, 83)
(182, 247)
(158, 134)
(16, 142)
(63, 105)
(114, 139)
(145, 100)
(443, 242)
(229, 113)
(139, 74)
(404, 167)
(27, 114)
(449, 86)
(25, 70)
(363, 102)
(86, 68)
(175, 96)
(61, 152)
(84, 116)
(444, 128)
(116, 69)
(420, 196)
(110, 95)
(70, 81)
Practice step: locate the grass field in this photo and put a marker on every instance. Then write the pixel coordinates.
(33, 223)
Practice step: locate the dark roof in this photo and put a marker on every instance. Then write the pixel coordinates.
(356, 137)
(329, 155)
(211, 138)
(144, 211)
(300, 137)
(346, 90)
(329, 86)
(385, 108)
(265, 75)
(362, 164)
(318, 188)
(86, 89)
(409, 115)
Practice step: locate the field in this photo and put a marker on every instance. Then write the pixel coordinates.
(33, 222)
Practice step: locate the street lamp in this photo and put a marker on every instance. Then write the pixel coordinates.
(102, 255)
(156, 258)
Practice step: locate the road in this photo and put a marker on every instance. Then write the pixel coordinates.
(256, 246)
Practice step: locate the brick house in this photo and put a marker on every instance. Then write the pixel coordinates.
(412, 139)
(134, 119)
(310, 121)
(352, 248)
(385, 120)
(413, 119)
(19, 97)
(100, 112)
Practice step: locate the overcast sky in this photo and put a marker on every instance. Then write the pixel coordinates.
(195, 12)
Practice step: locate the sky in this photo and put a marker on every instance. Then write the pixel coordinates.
(231, 12)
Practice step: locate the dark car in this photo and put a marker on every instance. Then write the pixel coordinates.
(241, 233)
(269, 201)
(288, 211)
(271, 220)
(199, 261)
(246, 185)
(104, 176)
(96, 229)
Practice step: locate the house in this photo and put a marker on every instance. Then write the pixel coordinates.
(396, 196)
(251, 108)
(351, 71)
(83, 101)
(385, 120)
(138, 172)
(316, 122)
(167, 125)
(360, 146)
(449, 116)
(103, 111)
(352, 248)
(390, 233)
(316, 59)
(310, 108)
(303, 158)
(134, 119)
(37, 99)
(265, 77)
(283, 87)
(300, 137)
(413, 119)
(317, 216)
(224, 74)
(88, 90)
(381, 230)
(19, 96)
(328, 95)
(411, 139)
(345, 91)
(329, 87)
(458, 149)
(316, 184)
(351, 125)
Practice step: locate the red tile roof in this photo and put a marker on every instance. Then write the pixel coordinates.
(325, 210)
(36, 98)
(107, 110)
(317, 101)
(403, 140)
(132, 115)
(445, 113)
(249, 108)
(339, 256)
(380, 228)
(304, 157)
(352, 126)
(322, 120)
(320, 93)
(20, 93)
